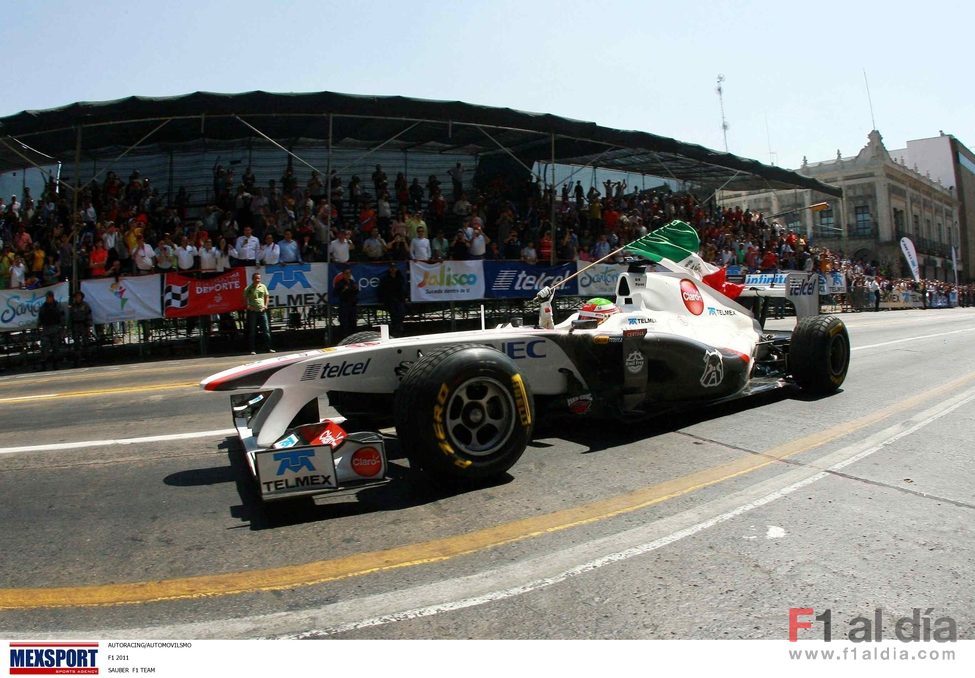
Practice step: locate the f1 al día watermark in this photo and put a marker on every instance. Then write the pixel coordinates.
(923, 625)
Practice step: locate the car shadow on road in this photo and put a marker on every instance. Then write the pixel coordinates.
(404, 489)
(597, 435)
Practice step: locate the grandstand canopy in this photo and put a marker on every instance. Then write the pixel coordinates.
(204, 120)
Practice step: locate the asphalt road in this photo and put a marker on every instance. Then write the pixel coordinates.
(712, 525)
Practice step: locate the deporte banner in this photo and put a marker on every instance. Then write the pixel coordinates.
(190, 297)
(18, 308)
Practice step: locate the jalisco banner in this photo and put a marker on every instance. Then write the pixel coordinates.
(18, 308)
(189, 297)
(447, 281)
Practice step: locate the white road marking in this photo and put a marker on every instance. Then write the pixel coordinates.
(774, 532)
(901, 341)
(118, 441)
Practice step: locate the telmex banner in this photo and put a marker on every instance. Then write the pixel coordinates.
(18, 308)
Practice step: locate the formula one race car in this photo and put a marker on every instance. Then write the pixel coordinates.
(464, 403)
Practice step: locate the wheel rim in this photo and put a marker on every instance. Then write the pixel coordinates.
(837, 356)
(480, 416)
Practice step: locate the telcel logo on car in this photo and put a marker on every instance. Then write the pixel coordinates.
(691, 296)
(346, 369)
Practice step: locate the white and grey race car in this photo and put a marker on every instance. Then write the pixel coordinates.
(464, 403)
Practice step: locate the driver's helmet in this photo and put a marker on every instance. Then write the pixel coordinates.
(597, 309)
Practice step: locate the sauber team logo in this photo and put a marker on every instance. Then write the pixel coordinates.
(713, 369)
(691, 296)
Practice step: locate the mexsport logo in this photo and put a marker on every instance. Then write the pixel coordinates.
(53, 659)
(691, 296)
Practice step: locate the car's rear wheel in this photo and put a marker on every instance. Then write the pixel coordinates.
(464, 414)
(819, 354)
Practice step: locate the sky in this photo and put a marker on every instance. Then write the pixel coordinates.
(796, 75)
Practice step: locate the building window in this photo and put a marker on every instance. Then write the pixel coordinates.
(916, 229)
(825, 227)
(864, 224)
(898, 221)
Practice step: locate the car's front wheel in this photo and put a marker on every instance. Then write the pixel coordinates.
(464, 414)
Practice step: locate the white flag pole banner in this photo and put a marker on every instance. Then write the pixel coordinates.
(18, 308)
(907, 247)
(447, 281)
(135, 298)
(600, 280)
(294, 284)
(954, 263)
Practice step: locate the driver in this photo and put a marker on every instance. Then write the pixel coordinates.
(598, 309)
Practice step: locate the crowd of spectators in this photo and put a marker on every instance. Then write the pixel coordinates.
(124, 227)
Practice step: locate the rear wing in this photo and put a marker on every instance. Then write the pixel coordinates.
(797, 287)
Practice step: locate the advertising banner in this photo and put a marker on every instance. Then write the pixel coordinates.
(447, 281)
(188, 297)
(833, 282)
(907, 247)
(598, 281)
(368, 276)
(293, 284)
(135, 298)
(511, 279)
(18, 308)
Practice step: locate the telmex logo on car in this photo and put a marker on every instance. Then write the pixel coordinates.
(691, 296)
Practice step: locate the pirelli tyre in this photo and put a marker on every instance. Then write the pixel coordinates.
(363, 411)
(359, 337)
(819, 354)
(464, 414)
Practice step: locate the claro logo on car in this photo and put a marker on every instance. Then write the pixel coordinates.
(691, 296)
(367, 462)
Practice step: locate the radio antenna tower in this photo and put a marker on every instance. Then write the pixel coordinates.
(724, 123)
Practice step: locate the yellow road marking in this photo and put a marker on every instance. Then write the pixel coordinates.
(101, 391)
(320, 572)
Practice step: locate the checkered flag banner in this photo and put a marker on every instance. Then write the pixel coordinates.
(176, 296)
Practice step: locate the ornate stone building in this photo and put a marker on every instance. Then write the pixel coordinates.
(883, 200)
